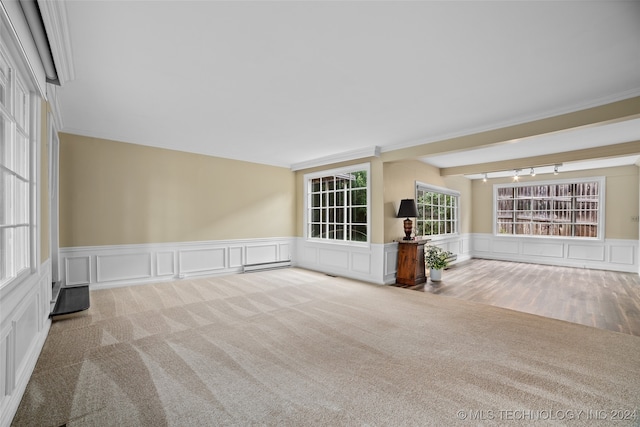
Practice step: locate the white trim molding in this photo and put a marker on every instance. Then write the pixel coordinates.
(54, 18)
(608, 254)
(375, 263)
(53, 97)
(24, 325)
(122, 265)
(361, 262)
(337, 158)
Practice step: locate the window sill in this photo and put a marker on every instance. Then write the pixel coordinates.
(364, 245)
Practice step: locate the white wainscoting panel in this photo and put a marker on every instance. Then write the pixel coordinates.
(165, 264)
(24, 325)
(110, 268)
(504, 247)
(480, 244)
(235, 256)
(584, 252)
(361, 262)
(390, 262)
(259, 254)
(542, 249)
(200, 260)
(285, 251)
(334, 257)
(622, 254)
(121, 265)
(309, 255)
(78, 270)
(608, 254)
(6, 372)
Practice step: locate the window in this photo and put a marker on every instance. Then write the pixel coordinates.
(338, 204)
(16, 170)
(562, 208)
(437, 210)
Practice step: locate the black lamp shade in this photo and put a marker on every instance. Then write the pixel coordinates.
(408, 209)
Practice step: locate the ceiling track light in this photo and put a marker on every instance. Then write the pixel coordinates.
(517, 172)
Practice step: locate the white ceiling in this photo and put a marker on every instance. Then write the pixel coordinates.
(287, 82)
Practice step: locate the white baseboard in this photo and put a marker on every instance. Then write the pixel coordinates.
(120, 265)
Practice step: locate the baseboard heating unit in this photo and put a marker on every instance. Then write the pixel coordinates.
(71, 299)
(249, 268)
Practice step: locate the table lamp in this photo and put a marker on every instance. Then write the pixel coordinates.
(408, 209)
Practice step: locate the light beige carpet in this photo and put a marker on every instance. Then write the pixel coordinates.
(297, 348)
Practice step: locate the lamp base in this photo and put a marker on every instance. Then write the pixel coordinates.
(408, 227)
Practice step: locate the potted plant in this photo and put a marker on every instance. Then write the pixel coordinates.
(436, 259)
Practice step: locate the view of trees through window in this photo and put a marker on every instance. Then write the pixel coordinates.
(565, 209)
(337, 208)
(437, 212)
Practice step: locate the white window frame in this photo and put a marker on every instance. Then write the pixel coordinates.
(19, 262)
(421, 186)
(600, 199)
(307, 204)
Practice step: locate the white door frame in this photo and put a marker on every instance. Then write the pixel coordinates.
(54, 173)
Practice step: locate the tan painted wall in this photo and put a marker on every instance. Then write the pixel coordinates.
(115, 193)
(621, 203)
(399, 183)
(44, 225)
(377, 188)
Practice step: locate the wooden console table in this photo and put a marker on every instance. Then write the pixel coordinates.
(411, 270)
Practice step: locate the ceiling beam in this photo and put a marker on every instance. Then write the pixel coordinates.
(607, 151)
(614, 112)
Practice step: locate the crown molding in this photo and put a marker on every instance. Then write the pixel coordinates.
(337, 158)
(54, 17)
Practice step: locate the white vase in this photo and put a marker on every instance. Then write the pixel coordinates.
(435, 275)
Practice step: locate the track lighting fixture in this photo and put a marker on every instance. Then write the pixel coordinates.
(528, 171)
